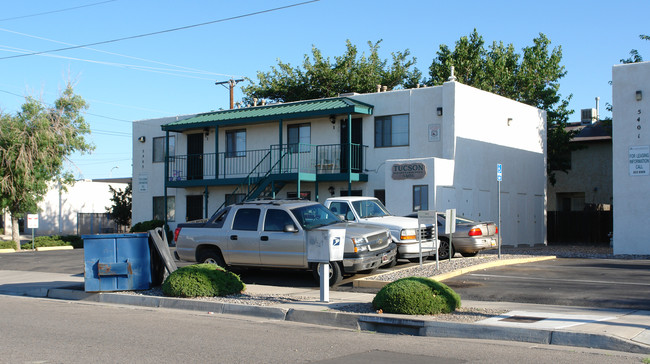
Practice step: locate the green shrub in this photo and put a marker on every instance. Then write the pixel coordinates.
(145, 226)
(75, 240)
(43, 241)
(202, 280)
(7, 244)
(416, 296)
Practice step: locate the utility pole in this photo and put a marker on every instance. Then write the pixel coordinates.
(231, 84)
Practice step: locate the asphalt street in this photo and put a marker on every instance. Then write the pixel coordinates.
(57, 331)
(600, 283)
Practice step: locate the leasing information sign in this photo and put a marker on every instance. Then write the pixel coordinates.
(639, 160)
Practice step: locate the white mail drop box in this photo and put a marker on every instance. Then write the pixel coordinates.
(325, 245)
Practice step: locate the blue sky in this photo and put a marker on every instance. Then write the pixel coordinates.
(174, 73)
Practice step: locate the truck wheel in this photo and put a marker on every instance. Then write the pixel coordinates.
(211, 256)
(392, 263)
(443, 250)
(336, 275)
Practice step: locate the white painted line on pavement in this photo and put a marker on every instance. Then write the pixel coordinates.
(557, 279)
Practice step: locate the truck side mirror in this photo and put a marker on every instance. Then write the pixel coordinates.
(290, 228)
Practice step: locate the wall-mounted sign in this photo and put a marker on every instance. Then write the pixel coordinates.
(639, 160)
(434, 132)
(415, 170)
(143, 182)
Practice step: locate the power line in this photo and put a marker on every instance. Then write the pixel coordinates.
(162, 31)
(56, 11)
(166, 71)
(188, 69)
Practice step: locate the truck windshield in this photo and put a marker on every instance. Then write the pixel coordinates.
(313, 216)
(370, 208)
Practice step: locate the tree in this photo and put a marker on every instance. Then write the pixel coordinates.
(320, 77)
(122, 202)
(34, 144)
(531, 78)
(635, 57)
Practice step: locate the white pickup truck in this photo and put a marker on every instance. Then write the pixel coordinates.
(403, 229)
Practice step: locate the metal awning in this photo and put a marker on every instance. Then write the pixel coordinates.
(274, 112)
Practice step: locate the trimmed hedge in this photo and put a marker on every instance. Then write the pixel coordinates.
(202, 280)
(416, 296)
(55, 240)
(7, 244)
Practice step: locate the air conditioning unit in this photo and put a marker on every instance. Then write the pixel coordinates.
(588, 116)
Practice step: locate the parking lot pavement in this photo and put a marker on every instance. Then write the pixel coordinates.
(613, 329)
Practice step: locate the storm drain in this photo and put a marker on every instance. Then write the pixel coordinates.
(523, 319)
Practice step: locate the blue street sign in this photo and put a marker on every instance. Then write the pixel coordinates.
(499, 173)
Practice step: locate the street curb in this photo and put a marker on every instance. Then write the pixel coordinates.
(39, 249)
(48, 248)
(366, 282)
(366, 322)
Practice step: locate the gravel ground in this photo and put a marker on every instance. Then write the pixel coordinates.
(464, 314)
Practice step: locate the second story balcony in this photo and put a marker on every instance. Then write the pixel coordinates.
(304, 162)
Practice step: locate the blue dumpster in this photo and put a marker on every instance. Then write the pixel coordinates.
(117, 262)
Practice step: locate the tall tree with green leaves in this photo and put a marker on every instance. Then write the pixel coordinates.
(531, 78)
(635, 56)
(34, 144)
(120, 212)
(321, 77)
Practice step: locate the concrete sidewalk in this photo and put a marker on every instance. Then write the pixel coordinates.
(621, 330)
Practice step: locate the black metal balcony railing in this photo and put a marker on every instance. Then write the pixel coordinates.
(278, 159)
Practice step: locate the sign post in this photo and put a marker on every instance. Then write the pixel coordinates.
(426, 218)
(325, 246)
(450, 228)
(499, 178)
(32, 223)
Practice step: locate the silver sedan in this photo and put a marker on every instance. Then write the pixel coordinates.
(469, 239)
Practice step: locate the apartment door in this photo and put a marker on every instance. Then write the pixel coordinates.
(357, 151)
(193, 207)
(195, 156)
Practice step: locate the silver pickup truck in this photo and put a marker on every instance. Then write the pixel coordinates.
(273, 234)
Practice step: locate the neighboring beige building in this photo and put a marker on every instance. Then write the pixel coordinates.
(588, 184)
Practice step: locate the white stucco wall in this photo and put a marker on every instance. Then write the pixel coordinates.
(479, 138)
(631, 129)
(59, 208)
(148, 177)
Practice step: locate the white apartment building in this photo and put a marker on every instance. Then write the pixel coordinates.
(428, 148)
(631, 157)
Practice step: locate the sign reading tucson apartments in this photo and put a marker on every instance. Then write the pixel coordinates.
(415, 170)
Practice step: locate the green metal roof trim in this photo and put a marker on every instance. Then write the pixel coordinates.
(284, 111)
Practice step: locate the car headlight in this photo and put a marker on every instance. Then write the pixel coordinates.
(407, 234)
(360, 244)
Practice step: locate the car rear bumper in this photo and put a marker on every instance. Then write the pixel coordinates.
(471, 245)
(412, 249)
(353, 263)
